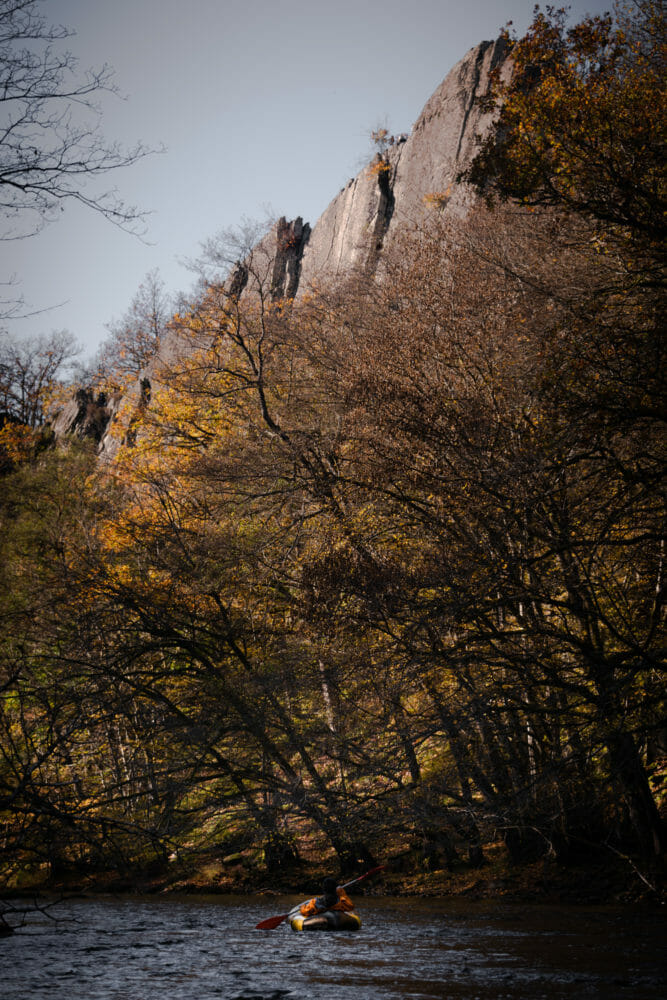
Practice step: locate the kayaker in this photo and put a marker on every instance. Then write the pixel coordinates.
(333, 897)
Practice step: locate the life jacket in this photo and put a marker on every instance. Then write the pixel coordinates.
(318, 904)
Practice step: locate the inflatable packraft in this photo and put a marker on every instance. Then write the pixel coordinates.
(330, 920)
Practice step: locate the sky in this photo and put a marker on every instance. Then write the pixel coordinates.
(261, 108)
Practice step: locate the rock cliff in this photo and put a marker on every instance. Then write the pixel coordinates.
(409, 175)
(365, 216)
(86, 415)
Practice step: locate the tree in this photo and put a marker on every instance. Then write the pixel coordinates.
(136, 337)
(50, 141)
(581, 128)
(517, 535)
(92, 770)
(581, 123)
(29, 370)
(30, 373)
(383, 564)
(213, 503)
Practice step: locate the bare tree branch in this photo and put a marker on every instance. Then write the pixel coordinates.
(50, 139)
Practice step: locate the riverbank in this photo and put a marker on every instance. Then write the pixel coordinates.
(597, 880)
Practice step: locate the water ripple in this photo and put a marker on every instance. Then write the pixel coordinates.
(201, 948)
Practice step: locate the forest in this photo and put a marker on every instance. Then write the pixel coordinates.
(377, 574)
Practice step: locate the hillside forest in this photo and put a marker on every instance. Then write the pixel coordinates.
(377, 574)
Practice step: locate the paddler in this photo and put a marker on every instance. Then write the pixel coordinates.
(333, 897)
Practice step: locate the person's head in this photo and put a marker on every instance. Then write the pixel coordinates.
(329, 885)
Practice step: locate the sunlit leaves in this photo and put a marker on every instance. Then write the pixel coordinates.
(581, 123)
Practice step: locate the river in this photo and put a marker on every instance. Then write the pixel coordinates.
(201, 947)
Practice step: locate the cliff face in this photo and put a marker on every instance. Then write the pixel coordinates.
(361, 222)
(367, 214)
(364, 218)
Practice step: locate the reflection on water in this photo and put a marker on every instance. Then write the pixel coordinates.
(206, 947)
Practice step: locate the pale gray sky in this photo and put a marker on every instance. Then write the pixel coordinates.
(261, 104)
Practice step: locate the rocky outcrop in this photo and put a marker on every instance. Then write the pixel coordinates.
(420, 171)
(349, 235)
(444, 137)
(127, 409)
(87, 414)
(412, 175)
(291, 239)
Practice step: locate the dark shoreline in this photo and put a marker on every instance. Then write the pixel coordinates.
(545, 881)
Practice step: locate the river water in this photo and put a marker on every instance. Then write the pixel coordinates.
(203, 947)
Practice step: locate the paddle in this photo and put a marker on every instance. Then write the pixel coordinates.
(271, 922)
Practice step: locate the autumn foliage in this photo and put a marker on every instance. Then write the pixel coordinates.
(584, 108)
(380, 570)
